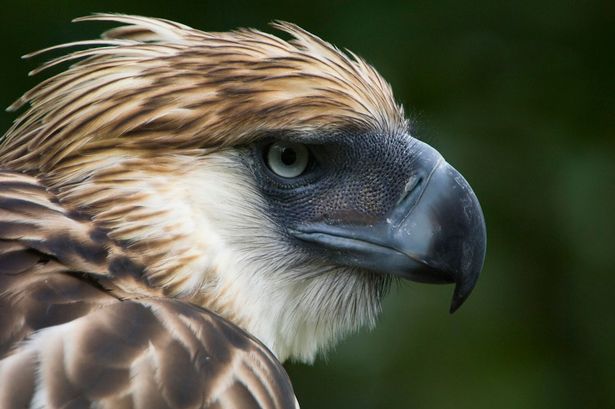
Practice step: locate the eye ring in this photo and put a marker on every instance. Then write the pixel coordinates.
(287, 159)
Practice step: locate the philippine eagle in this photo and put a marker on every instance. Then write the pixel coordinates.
(181, 211)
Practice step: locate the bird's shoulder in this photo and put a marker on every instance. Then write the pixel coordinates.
(68, 338)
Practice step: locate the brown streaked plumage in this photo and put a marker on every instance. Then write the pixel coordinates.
(71, 257)
(81, 250)
(181, 211)
(156, 102)
(80, 326)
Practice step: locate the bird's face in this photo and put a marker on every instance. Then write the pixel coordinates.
(316, 226)
(381, 203)
(274, 182)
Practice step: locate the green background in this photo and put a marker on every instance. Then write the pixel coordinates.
(520, 97)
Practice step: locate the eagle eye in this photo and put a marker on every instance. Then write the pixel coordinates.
(287, 159)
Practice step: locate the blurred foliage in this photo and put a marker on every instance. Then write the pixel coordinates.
(520, 97)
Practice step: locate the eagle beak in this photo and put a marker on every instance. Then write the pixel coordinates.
(435, 233)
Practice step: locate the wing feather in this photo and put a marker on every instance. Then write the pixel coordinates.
(71, 337)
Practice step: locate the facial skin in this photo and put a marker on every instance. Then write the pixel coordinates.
(349, 177)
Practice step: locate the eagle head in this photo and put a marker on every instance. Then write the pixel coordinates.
(274, 182)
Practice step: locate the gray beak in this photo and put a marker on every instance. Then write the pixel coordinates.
(435, 234)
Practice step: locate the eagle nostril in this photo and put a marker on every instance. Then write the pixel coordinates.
(409, 197)
(413, 184)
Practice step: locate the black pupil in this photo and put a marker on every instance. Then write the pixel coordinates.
(288, 156)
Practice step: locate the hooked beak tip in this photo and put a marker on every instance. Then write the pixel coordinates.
(460, 295)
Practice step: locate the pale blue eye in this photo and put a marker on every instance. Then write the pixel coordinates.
(288, 159)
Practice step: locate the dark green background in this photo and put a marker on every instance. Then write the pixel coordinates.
(519, 96)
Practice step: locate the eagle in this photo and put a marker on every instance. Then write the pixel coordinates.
(182, 211)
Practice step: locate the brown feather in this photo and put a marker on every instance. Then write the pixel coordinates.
(212, 89)
(74, 330)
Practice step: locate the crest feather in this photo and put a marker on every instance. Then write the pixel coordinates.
(157, 84)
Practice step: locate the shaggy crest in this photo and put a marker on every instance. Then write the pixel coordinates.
(155, 84)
